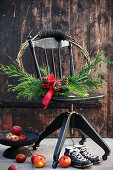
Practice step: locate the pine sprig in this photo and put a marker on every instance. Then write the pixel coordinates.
(84, 71)
(13, 71)
(31, 88)
(28, 86)
(45, 70)
(85, 77)
(76, 87)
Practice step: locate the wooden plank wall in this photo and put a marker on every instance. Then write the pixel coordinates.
(90, 23)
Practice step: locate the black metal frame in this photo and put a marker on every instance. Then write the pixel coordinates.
(68, 120)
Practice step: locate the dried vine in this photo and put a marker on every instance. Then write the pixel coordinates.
(19, 57)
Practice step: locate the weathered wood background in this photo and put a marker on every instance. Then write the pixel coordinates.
(90, 22)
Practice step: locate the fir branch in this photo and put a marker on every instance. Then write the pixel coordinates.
(28, 86)
(45, 70)
(29, 89)
(13, 71)
(76, 87)
(65, 91)
(85, 77)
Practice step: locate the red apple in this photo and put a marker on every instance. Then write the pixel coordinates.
(39, 161)
(22, 137)
(33, 156)
(20, 158)
(14, 138)
(17, 130)
(8, 136)
(13, 167)
(65, 161)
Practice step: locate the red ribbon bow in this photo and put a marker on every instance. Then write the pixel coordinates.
(50, 93)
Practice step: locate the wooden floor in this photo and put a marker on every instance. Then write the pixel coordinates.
(46, 149)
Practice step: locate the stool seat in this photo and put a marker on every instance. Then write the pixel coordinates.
(72, 98)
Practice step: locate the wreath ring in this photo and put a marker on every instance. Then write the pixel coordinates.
(58, 35)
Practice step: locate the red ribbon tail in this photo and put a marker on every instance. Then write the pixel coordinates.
(48, 97)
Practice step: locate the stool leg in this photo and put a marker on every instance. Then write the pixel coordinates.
(61, 139)
(83, 136)
(79, 121)
(56, 124)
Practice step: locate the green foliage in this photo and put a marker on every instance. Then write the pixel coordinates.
(13, 71)
(76, 87)
(65, 91)
(85, 77)
(45, 70)
(29, 87)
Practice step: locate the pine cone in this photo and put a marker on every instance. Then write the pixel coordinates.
(45, 80)
(64, 80)
(57, 86)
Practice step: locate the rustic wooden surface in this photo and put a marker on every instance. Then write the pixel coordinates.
(89, 22)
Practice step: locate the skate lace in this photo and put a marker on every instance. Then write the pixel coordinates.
(85, 152)
(76, 153)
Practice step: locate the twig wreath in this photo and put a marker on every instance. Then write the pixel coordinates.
(31, 87)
